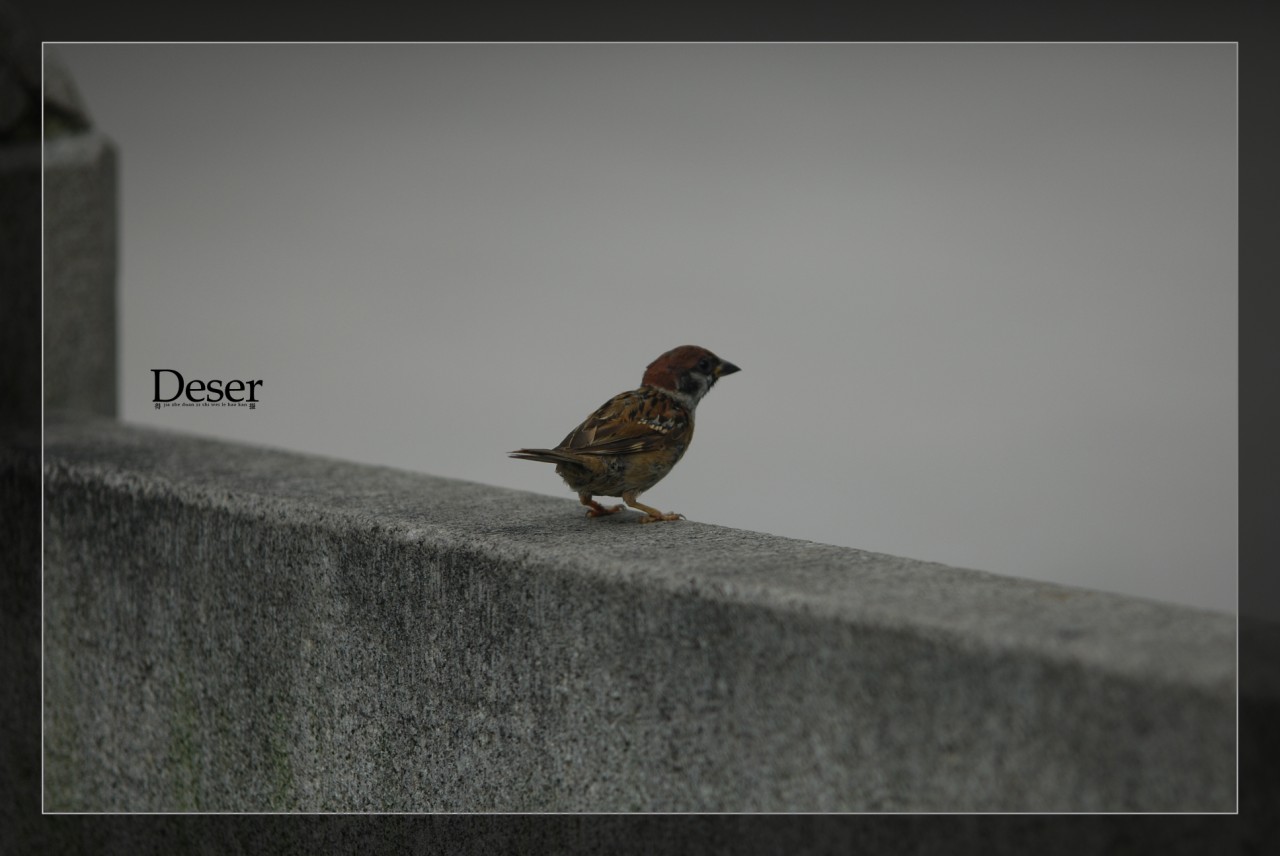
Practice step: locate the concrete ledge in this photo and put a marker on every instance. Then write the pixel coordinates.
(235, 628)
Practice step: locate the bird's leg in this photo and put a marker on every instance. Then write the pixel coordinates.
(654, 514)
(595, 509)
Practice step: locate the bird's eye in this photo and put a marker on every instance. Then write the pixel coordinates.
(704, 365)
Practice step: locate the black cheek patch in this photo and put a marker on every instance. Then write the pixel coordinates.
(690, 385)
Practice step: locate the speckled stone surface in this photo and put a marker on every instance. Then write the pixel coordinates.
(236, 628)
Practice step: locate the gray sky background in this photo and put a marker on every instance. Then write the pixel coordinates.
(983, 296)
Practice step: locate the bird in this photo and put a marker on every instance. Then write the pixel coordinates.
(634, 439)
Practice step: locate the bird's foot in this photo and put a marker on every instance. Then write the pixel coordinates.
(595, 509)
(660, 517)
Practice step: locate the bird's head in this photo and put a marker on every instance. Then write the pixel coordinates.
(687, 373)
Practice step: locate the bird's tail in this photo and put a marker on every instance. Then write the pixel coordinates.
(547, 456)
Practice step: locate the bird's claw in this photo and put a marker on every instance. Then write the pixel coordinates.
(670, 515)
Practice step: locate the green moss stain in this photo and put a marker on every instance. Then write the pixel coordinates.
(184, 748)
(280, 764)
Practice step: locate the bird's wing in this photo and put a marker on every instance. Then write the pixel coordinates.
(632, 422)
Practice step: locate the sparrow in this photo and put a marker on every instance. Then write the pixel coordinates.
(636, 437)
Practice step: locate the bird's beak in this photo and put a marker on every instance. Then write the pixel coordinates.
(726, 368)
